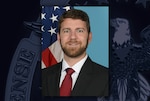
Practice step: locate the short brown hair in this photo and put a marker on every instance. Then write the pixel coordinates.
(75, 14)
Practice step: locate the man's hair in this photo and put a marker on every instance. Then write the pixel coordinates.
(75, 14)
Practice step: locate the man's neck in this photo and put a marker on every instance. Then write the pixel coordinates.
(73, 60)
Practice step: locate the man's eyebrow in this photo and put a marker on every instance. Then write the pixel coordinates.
(70, 28)
(80, 28)
(65, 28)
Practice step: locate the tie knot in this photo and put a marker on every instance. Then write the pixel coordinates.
(69, 71)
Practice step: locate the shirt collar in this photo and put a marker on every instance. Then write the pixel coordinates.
(76, 67)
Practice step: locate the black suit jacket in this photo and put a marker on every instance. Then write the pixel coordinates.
(92, 80)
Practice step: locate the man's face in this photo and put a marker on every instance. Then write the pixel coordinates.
(74, 37)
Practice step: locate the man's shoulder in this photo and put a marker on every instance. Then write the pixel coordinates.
(98, 67)
(52, 68)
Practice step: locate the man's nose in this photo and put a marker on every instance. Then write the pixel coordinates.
(73, 35)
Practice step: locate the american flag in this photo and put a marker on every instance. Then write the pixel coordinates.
(51, 50)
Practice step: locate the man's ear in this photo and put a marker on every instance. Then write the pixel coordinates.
(58, 37)
(90, 37)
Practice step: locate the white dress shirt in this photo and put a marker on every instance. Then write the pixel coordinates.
(76, 67)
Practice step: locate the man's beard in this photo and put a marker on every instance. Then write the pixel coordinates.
(74, 51)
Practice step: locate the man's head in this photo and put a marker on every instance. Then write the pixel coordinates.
(74, 33)
(75, 14)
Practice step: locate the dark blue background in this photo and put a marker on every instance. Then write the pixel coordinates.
(13, 14)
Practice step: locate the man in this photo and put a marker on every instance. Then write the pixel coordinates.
(88, 78)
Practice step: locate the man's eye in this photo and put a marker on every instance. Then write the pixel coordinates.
(80, 30)
(66, 31)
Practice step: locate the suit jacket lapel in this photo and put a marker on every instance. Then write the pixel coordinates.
(83, 79)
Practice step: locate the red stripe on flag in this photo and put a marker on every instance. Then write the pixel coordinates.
(48, 58)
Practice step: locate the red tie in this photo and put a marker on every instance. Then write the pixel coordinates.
(65, 89)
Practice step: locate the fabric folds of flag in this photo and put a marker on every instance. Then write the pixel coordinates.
(51, 50)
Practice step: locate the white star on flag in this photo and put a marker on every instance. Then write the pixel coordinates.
(66, 8)
(56, 7)
(52, 31)
(42, 29)
(54, 18)
(43, 16)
